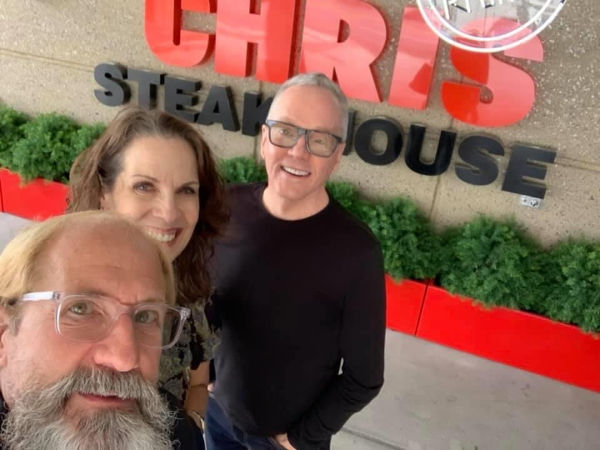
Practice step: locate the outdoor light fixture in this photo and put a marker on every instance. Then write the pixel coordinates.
(487, 26)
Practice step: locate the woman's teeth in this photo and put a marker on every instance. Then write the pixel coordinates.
(161, 237)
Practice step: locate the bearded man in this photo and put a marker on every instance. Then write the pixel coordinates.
(86, 305)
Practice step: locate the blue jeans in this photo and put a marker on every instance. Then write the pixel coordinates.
(221, 434)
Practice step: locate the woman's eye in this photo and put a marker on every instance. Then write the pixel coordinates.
(188, 190)
(143, 187)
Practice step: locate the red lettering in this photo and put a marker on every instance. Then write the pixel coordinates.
(415, 60)
(271, 30)
(348, 60)
(511, 90)
(171, 44)
(343, 38)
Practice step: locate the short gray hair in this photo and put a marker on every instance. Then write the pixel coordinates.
(320, 80)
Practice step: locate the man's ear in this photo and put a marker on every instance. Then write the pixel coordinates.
(338, 156)
(5, 334)
(264, 137)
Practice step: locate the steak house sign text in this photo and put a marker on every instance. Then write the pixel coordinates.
(269, 28)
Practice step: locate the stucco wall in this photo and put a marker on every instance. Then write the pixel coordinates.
(48, 51)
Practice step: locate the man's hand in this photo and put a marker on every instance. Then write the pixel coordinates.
(282, 440)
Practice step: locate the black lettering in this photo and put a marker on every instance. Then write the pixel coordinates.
(481, 168)
(110, 77)
(415, 147)
(177, 97)
(351, 118)
(522, 163)
(255, 113)
(364, 137)
(148, 83)
(218, 107)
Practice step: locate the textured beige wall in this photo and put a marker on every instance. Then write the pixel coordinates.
(48, 51)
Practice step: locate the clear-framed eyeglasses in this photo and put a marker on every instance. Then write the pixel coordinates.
(91, 318)
(286, 135)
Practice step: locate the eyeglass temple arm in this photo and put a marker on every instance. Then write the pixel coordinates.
(38, 296)
(185, 313)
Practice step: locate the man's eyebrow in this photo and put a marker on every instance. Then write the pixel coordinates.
(285, 119)
(96, 292)
(153, 300)
(101, 293)
(291, 122)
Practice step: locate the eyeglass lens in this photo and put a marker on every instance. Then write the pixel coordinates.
(89, 319)
(285, 135)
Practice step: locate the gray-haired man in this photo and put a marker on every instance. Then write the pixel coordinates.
(299, 289)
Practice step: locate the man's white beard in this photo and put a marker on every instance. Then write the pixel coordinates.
(37, 419)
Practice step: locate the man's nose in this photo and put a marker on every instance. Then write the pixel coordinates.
(119, 350)
(299, 149)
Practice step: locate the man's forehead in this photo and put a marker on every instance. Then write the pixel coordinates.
(107, 240)
(313, 106)
(89, 261)
(105, 278)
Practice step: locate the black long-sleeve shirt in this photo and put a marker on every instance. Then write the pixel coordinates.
(296, 299)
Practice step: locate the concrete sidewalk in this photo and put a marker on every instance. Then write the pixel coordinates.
(9, 226)
(436, 398)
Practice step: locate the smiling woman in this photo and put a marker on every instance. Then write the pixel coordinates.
(158, 189)
(158, 171)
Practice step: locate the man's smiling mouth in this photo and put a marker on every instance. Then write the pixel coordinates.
(296, 172)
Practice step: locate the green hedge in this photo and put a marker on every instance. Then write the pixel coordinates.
(572, 271)
(11, 131)
(44, 146)
(496, 262)
(493, 261)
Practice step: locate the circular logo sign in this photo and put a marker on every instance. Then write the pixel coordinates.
(488, 26)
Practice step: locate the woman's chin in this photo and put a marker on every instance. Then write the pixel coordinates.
(170, 251)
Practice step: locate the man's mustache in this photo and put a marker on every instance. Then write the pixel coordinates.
(40, 417)
(105, 382)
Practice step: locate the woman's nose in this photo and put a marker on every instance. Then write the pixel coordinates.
(167, 209)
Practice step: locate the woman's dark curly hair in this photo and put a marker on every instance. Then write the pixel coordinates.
(96, 169)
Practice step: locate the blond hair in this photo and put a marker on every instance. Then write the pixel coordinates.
(19, 262)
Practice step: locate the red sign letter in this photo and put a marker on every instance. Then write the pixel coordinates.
(349, 61)
(512, 89)
(271, 29)
(415, 60)
(168, 41)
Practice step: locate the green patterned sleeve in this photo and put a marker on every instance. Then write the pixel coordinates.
(206, 339)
